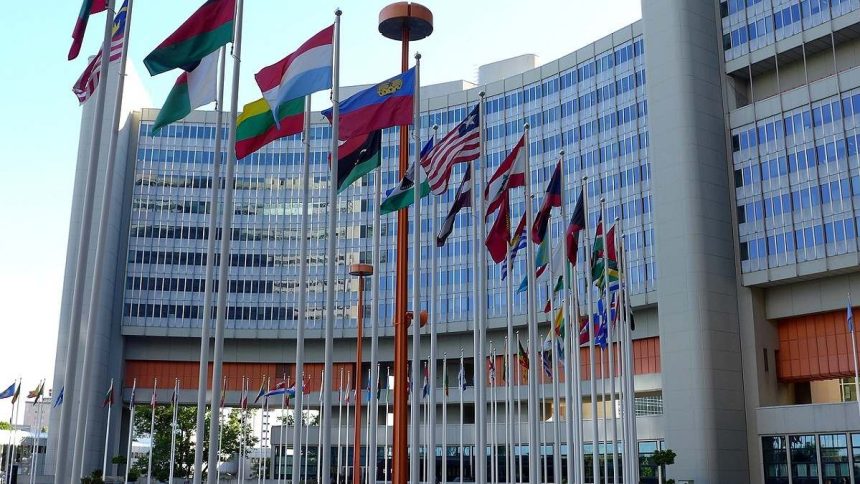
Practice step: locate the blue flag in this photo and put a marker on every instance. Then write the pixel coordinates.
(850, 317)
(59, 400)
(7, 393)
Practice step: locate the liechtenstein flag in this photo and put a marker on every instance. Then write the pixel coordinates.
(387, 104)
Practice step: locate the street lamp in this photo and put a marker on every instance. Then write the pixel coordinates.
(361, 271)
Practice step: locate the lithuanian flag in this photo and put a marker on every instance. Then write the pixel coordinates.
(255, 127)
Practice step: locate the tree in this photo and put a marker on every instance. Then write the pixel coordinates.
(663, 458)
(185, 439)
(5, 426)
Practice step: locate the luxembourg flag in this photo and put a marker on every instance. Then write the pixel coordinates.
(304, 72)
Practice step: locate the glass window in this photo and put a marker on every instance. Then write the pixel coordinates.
(775, 460)
(834, 458)
(804, 459)
(855, 452)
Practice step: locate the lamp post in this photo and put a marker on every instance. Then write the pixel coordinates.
(361, 271)
(403, 21)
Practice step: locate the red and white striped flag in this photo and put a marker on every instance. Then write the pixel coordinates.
(88, 82)
(461, 145)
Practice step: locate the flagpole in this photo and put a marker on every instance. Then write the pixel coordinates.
(205, 337)
(534, 462)
(243, 403)
(609, 357)
(387, 399)
(130, 430)
(554, 359)
(35, 453)
(571, 360)
(331, 258)
(283, 419)
(519, 411)
(603, 409)
(595, 461)
(220, 433)
(509, 324)
(172, 462)
(373, 417)
(460, 384)
(226, 229)
(342, 466)
(107, 429)
(415, 471)
(67, 434)
(151, 431)
(542, 440)
(444, 416)
(319, 435)
(368, 446)
(854, 353)
(339, 425)
(434, 320)
(10, 447)
(509, 420)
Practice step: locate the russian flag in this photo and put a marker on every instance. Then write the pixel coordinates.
(384, 105)
(304, 72)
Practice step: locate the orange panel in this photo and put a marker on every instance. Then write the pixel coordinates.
(814, 347)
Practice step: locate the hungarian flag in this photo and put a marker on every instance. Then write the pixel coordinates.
(552, 199)
(255, 127)
(498, 239)
(88, 7)
(383, 105)
(357, 157)
(403, 195)
(597, 257)
(209, 28)
(108, 401)
(462, 199)
(577, 223)
(510, 174)
(191, 91)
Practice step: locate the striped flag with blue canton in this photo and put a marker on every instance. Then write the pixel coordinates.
(518, 243)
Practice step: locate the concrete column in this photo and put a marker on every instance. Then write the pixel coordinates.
(697, 297)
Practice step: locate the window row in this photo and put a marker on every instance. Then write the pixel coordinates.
(810, 459)
(803, 238)
(803, 199)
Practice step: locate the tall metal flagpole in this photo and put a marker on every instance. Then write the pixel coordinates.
(345, 451)
(460, 384)
(609, 358)
(223, 268)
(130, 430)
(205, 337)
(172, 463)
(416, 274)
(67, 434)
(86, 394)
(554, 359)
(595, 461)
(373, 416)
(340, 395)
(282, 445)
(331, 259)
(152, 403)
(387, 399)
(35, 459)
(509, 323)
(444, 417)
(534, 462)
(630, 390)
(303, 293)
(434, 322)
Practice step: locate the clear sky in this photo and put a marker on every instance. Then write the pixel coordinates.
(41, 117)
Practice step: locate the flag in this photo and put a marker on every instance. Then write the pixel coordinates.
(462, 144)
(403, 194)
(304, 72)
(255, 127)
(357, 157)
(518, 243)
(510, 174)
(462, 199)
(577, 223)
(461, 377)
(383, 105)
(347, 398)
(522, 356)
(88, 7)
(207, 29)
(541, 263)
(59, 400)
(850, 316)
(133, 389)
(108, 401)
(601, 319)
(425, 390)
(17, 393)
(552, 199)
(445, 377)
(9, 391)
(223, 392)
(262, 392)
(86, 85)
(153, 400)
(192, 90)
(278, 391)
(491, 369)
(37, 392)
(597, 256)
(583, 330)
(498, 239)
(546, 359)
(244, 401)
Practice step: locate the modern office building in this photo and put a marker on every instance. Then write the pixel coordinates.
(722, 136)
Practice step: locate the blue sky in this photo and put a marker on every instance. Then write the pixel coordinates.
(42, 117)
